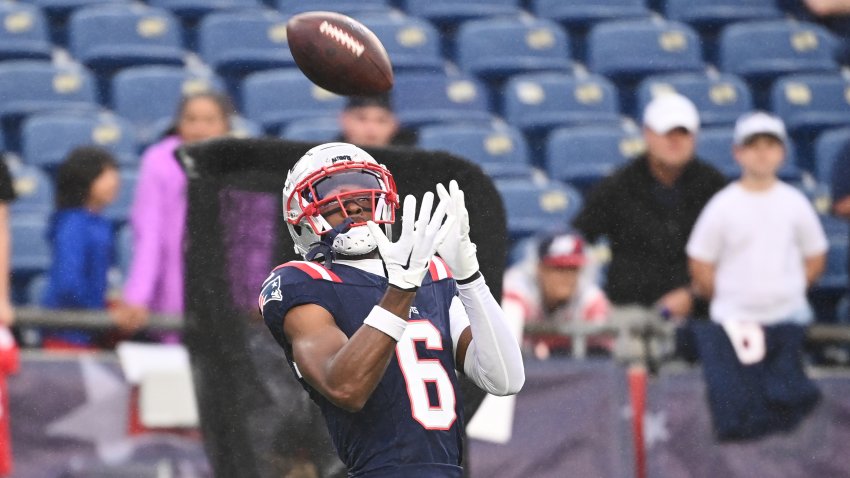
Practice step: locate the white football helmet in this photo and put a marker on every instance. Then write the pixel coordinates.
(323, 181)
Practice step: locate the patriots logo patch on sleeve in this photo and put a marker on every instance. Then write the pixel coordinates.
(271, 291)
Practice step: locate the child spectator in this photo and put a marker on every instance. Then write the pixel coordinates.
(754, 250)
(555, 284)
(81, 238)
(158, 215)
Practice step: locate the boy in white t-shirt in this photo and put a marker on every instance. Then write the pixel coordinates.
(758, 244)
(755, 249)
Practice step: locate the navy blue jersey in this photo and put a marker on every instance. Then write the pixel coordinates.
(411, 425)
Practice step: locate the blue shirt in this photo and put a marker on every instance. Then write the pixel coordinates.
(411, 425)
(82, 253)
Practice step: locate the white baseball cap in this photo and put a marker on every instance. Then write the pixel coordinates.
(759, 122)
(669, 111)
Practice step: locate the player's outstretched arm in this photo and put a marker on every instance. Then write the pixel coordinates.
(346, 371)
(487, 350)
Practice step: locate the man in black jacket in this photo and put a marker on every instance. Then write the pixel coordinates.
(648, 207)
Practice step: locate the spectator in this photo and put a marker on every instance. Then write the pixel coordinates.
(7, 195)
(828, 8)
(840, 185)
(158, 215)
(556, 284)
(754, 250)
(370, 121)
(648, 207)
(81, 237)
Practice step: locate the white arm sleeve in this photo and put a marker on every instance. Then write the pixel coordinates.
(493, 359)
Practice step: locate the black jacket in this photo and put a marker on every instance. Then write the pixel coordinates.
(647, 236)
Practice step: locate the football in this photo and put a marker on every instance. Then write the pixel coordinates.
(339, 54)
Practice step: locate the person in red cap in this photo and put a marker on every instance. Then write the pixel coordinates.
(555, 283)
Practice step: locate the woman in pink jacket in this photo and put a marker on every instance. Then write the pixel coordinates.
(155, 279)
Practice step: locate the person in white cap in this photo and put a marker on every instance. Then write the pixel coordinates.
(647, 208)
(755, 249)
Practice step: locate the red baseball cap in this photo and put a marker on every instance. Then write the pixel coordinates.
(562, 250)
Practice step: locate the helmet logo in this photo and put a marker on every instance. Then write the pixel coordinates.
(342, 157)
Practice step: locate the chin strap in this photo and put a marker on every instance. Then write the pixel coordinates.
(324, 247)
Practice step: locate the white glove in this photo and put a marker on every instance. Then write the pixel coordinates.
(407, 259)
(458, 250)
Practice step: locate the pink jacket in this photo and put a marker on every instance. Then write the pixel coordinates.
(158, 218)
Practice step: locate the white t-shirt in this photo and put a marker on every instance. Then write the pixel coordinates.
(757, 241)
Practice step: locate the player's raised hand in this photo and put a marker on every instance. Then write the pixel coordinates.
(457, 250)
(407, 259)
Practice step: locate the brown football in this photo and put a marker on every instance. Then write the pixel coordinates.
(339, 54)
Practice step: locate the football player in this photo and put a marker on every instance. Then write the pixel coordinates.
(376, 330)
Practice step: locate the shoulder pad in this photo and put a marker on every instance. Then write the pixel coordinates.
(438, 269)
(298, 271)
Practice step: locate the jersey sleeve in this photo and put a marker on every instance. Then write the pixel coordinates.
(810, 233)
(706, 240)
(289, 286)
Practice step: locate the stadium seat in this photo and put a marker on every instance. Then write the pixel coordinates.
(496, 48)
(835, 276)
(109, 38)
(714, 146)
(760, 50)
(312, 130)
(711, 14)
(132, 96)
(501, 150)
(630, 49)
(422, 98)
(720, 100)
(30, 86)
(453, 11)
(584, 13)
(541, 101)
(583, 155)
(532, 208)
(23, 34)
(809, 104)
(347, 7)
(47, 138)
(30, 247)
(412, 43)
(58, 11)
(34, 190)
(238, 43)
(194, 9)
(273, 98)
(119, 211)
(828, 146)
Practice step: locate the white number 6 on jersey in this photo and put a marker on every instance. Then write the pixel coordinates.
(417, 372)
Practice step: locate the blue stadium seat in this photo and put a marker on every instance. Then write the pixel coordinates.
(108, 38)
(720, 99)
(828, 146)
(273, 98)
(312, 130)
(715, 13)
(584, 13)
(132, 96)
(541, 101)
(34, 190)
(714, 146)
(30, 86)
(422, 98)
(30, 247)
(500, 150)
(58, 11)
(630, 49)
(193, 9)
(23, 32)
(347, 7)
(119, 211)
(452, 11)
(835, 277)
(412, 43)
(532, 208)
(496, 48)
(47, 138)
(760, 50)
(812, 102)
(238, 43)
(583, 155)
